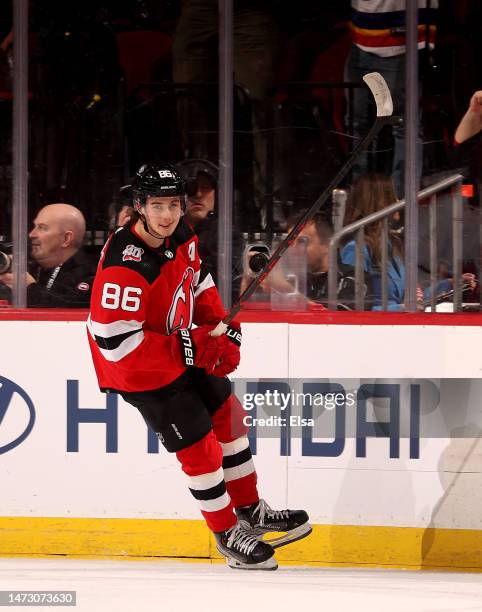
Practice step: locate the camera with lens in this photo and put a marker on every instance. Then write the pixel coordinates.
(255, 257)
(5, 255)
(257, 253)
(260, 254)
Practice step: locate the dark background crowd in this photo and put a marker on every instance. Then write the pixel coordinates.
(108, 90)
(113, 84)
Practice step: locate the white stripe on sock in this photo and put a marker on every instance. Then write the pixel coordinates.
(234, 447)
(212, 505)
(239, 471)
(206, 481)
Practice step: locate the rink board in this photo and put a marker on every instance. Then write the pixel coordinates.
(80, 474)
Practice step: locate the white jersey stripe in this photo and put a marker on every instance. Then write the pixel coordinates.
(206, 284)
(387, 6)
(388, 51)
(107, 330)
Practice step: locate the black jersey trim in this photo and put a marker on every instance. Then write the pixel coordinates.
(150, 263)
(182, 234)
(113, 342)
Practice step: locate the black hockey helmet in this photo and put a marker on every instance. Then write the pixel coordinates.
(161, 179)
(190, 169)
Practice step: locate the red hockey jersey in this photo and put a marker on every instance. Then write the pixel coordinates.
(140, 297)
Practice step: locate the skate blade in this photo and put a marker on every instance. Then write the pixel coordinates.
(290, 536)
(268, 565)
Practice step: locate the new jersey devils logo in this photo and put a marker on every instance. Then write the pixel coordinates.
(182, 305)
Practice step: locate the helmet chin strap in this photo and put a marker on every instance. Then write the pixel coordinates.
(145, 225)
(146, 228)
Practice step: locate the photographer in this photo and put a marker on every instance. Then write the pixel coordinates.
(316, 235)
(64, 274)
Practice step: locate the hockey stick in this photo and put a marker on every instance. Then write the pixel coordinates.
(383, 100)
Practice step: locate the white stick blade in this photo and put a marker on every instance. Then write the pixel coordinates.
(379, 88)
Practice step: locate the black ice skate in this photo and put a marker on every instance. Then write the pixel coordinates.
(244, 550)
(265, 520)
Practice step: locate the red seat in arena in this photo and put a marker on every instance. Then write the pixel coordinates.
(142, 55)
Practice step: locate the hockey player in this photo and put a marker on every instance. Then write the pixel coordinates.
(149, 289)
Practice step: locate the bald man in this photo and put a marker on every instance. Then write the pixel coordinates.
(65, 273)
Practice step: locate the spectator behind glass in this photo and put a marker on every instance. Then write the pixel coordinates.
(370, 193)
(122, 211)
(256, 39)
(467, 152)
(316, 237)
(202, 177)
(466, 156)
(471, 122)
(202, 181)
(445, 285)
(378, 33)
(64, 273)
(317, 234)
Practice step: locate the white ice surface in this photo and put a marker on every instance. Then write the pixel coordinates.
(168, 586)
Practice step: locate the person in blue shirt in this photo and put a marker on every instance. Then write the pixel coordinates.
(370, 193)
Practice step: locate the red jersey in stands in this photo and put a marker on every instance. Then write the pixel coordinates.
(139, 299)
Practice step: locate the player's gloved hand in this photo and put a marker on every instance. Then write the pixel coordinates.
(200, 349)
(230, 356)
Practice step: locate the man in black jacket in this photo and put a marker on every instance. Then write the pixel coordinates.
(316, 237)
(201, 177)
(64, 275)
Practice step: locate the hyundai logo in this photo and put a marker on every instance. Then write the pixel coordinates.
(17, 415)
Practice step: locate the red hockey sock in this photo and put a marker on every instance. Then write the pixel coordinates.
(202, 462)
(239, 472)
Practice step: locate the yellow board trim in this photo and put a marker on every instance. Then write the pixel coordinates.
(328, 545)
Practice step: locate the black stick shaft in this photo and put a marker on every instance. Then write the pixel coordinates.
(297, 229)
(291, 237)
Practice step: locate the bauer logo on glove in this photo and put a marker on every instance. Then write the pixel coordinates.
(218, 355)
(187, 347)
(234, 335)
